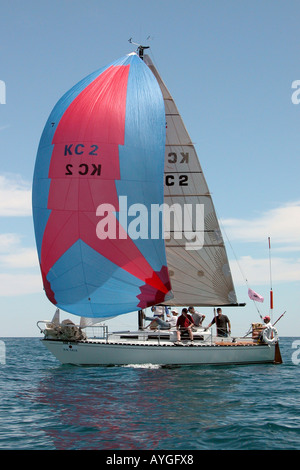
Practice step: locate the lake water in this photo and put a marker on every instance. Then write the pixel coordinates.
(46, 406)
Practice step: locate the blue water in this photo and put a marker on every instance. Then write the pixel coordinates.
(45, 405)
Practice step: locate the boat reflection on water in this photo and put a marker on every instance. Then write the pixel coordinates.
(134, 407)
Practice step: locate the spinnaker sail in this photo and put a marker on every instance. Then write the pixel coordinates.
(101, 155)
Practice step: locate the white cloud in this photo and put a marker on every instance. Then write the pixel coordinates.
(15, 196)
(13, 255)
(282, 224)
(22, 258)
(257, 271)
(18, 265)
(8, 241)
(19, 284)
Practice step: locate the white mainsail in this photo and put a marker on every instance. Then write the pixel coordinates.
(201, 276)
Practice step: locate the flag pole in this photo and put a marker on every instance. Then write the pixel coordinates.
(271, 288)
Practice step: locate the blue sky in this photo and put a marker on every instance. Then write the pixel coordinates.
(229, 66)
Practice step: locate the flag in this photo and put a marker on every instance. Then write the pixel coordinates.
(254, 296)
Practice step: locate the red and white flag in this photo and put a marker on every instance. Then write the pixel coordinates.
(254, 296)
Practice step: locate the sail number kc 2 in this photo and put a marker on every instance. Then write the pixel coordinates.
(177, 178)
(94, 169)
(83, 168)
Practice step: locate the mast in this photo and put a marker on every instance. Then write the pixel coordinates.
(140, 48)
(141, 51)
(140, 319)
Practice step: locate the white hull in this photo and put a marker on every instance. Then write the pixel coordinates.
(100, 352)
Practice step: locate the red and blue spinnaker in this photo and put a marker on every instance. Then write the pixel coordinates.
(104, 139)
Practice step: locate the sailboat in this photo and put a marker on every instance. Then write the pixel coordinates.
(124, 221)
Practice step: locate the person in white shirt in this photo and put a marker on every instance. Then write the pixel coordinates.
(172, 317)
(159, 311)
(197, 317)
(170, 322)
(269, 333)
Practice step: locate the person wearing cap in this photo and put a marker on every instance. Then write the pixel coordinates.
(172, 317)
(197, 317)
(269, 330)
(221, 321)
(162, 324)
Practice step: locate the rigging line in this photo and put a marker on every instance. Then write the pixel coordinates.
(229, 243)
(237, 261)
